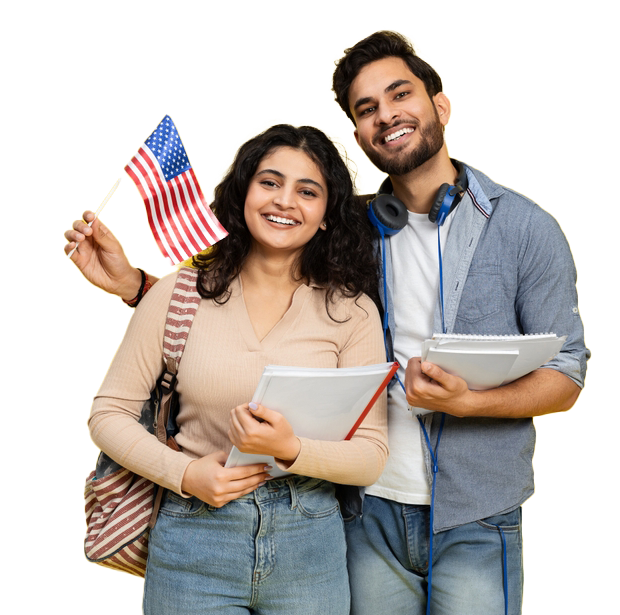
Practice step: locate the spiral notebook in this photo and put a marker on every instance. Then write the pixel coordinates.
(319, 403)
(488, 361)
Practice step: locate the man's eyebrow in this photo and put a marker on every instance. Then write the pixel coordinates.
(303, 180)
(362, 101)
(396, 84)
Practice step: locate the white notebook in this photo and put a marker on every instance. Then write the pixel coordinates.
(319, 403)
(488, 361)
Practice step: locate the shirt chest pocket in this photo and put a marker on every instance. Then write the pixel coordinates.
(482, 298)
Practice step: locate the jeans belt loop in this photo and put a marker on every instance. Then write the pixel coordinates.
(293, 489)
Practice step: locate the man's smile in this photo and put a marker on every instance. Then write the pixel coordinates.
(397, 135)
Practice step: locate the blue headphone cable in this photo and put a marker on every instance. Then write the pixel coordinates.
(433, 454)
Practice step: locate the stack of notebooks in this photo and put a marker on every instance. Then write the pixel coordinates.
(330, 404)
(488, 361)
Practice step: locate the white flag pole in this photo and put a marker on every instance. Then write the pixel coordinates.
(100, 208)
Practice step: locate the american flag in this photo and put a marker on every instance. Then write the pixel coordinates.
(180, 219)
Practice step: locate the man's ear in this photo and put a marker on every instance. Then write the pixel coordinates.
(357, 137)
(442, 105)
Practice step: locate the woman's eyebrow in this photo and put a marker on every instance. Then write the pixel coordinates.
(271, 172)
(307, 180)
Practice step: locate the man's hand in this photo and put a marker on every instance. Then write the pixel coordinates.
(542, 391)
(211, 482)
(100, 258)
(271, 435)
(428, 386)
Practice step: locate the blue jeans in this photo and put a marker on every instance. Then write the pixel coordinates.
(278, 550)
(388, 563)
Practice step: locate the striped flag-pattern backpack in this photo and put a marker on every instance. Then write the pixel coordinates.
(121, 507)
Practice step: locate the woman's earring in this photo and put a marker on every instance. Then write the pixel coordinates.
(323, 226)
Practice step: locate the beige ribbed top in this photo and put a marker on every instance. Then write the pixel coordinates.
(220, 368)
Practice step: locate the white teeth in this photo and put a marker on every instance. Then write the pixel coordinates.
(398, 133)
(281, 220)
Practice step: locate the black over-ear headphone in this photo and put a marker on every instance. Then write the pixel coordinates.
(389, 215)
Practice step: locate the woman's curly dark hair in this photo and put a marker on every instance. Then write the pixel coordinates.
(340, 259)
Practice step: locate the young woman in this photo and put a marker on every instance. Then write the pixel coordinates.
(288, 286)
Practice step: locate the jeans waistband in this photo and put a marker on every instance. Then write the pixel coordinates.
(288, 487)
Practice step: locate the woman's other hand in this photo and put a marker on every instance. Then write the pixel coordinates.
(261, 431)
(211, 482)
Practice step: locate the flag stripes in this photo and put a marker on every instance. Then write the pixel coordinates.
(179, 217)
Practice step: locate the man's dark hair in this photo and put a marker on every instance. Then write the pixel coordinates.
(375, 47)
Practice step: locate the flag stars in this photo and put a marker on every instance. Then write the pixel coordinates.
(166, 144)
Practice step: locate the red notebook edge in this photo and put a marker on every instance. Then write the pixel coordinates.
(371, 403)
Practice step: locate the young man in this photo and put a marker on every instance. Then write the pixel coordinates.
(507, 269)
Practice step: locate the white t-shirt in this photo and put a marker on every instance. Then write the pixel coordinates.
(415, 263)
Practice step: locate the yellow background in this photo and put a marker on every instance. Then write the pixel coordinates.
(521, 112)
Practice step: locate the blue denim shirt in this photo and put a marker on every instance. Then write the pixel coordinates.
(507, 269)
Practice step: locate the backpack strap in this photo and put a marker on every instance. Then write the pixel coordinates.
(181, 311)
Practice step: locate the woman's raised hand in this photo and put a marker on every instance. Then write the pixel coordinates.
(261, 431)
(100, 258)
(211, 482)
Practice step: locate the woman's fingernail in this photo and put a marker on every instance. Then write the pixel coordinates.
(253, 405)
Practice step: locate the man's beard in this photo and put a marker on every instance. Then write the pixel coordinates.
(431, 141)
